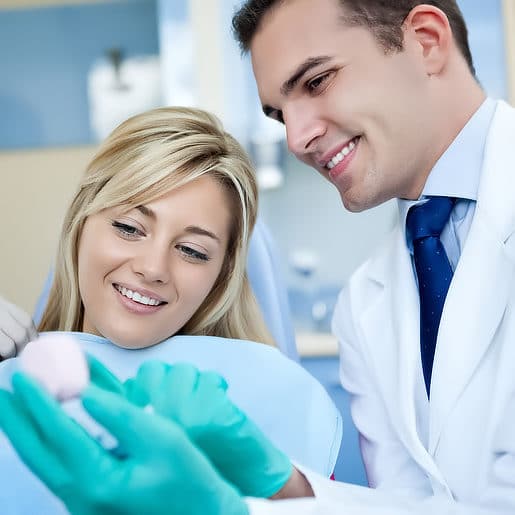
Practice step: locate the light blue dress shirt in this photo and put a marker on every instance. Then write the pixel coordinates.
(457, 174)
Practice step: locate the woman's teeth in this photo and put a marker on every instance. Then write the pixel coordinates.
(137, 297)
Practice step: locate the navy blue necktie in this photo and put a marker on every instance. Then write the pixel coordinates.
(425, 223)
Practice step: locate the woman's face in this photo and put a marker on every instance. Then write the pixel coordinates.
(143, 273)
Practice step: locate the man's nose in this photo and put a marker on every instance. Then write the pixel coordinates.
(303, 129)
(153, 263)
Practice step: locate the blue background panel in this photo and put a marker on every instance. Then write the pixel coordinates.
(45, 57)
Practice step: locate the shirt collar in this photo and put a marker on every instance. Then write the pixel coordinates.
(458, 171)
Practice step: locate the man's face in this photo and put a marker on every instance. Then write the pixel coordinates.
(357, 114)
(144, 272)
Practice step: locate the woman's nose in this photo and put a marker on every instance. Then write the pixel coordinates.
(153, 263)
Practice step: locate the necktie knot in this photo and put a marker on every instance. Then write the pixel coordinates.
(429, 218)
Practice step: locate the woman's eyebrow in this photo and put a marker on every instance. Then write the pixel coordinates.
(195, 229)
(146, 211)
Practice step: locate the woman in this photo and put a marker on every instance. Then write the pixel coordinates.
(154, 245)
(155, 241)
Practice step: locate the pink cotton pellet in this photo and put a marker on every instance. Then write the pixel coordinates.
(58, 362)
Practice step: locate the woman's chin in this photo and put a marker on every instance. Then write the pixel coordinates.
(133, 342)
(133, 345)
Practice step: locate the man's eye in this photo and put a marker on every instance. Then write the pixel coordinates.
(315, 84)
(126, 229)
(276, 115)
(192, 253)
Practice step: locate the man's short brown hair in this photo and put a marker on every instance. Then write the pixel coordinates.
(384, 18)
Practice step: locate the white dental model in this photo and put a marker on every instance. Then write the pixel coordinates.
(58, 362)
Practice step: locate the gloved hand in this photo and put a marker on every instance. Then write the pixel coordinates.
(162, 473)
(198, 402)
(16, 329)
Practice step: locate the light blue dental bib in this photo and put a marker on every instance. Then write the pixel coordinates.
(284, 400)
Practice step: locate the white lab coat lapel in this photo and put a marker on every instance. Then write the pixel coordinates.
(390, 325)
(480, 288)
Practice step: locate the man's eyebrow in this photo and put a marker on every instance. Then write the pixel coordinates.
(301, 70)
(195, 229)
(288, 85)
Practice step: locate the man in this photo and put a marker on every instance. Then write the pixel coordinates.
(381, 100)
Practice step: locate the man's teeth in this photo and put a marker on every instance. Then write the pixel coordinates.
(345, 151)
(136, 297)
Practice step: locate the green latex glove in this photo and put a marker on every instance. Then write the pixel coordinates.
(163, 473)
(198, 402)
(101, 376)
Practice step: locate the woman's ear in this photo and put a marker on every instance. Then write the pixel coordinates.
(428, 27)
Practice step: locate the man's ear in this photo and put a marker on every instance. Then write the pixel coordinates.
(429, 27)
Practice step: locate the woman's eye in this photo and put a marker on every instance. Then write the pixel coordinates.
(192, 253)
(126, 229)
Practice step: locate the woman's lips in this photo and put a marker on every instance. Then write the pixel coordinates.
(134, 306)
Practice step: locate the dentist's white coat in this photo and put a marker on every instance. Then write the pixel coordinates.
(456, 453)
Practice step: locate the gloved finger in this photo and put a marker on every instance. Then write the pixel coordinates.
(31, 334)
(137, 431)
(142, 389)
(135, 394)
(181, 380)
(61, 434)
(178, 392)
(7, 346)
(102, 377)
(210, 380)
(21, 317)
(19, 326)
(211, 396)
(19, 332)
(32, 331)
(23, 433)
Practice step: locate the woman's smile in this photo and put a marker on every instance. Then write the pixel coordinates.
(137, 303)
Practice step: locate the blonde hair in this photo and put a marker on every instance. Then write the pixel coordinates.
(148, 156)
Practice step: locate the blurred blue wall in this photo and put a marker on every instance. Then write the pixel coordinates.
(46, 53)
(486, 39)
(45, 56)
